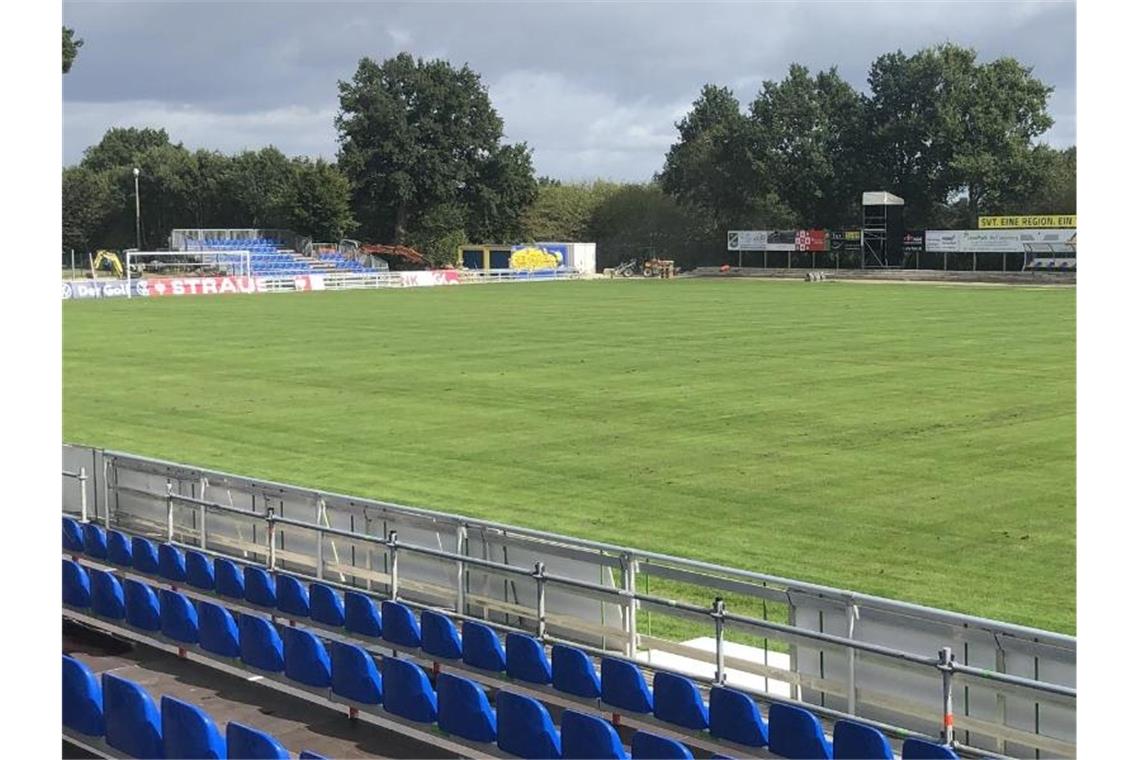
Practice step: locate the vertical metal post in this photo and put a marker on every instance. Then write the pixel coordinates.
(999, 666)
(629, 576)
(540, 584)
(975, 261)
(369, 551)
(83, 494)
(946, 665)
(73, 263)
(320, 553)
(169, 511)
(718, 620)
(944, 261)
(852, 616)
(271, 534)
(393, 557)
(460, 568)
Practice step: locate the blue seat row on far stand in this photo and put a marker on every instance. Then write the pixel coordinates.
(730, 715)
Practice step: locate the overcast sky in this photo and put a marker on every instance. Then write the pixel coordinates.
(593, 88)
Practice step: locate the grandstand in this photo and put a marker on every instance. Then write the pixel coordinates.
(272, 253)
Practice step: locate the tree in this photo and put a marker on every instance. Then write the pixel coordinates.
(642, 221)
(502, 187)
(87, 204)
(564, 212)
(71, 47)
(122, 147)
(319, 203)
(262, 187)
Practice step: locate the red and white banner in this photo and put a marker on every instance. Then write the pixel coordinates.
(427, 279)
(203, 286)
(811, 240)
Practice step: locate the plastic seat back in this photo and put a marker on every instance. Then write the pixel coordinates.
(261, 645)
(142, 606)
(199, 571)
(525, 728)
(654, 747)
(482, 648)
(589, 737)
(623, 686)
(407, 691)
(399, 624)
(72, 535)
(171, 563)
(76, 585)
(734, 716)
(325, 605)
(292, 596)
(131, 719)
(179, 617)
(677, 700)
(119, 549)
(307, 755)
(360, 615)
(855, 741)
(526, 659)
(260, 587)
(144, 555)
(573, 672)
(438, 636)
(250, 744)
(82, 698)
(94, 541)
(307, 659)
(107, 597)
(228, 579)
(923, 749)
(796, 733)
(464, 710)
(354, 674)
(217, 631)
(187, 731)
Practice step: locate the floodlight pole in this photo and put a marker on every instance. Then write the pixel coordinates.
(138, 222)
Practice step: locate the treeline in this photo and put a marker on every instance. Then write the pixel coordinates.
(422, 161)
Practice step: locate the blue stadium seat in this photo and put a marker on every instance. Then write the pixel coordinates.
(76, 585)
(439, 637)
(228, 579)
(590, 738)
(526, 659)
(261, 645)
(325, 605)
(250, 744)
(72, 535)
(464, 710)
(171, 563)
(107, 599)
(119, 549)
(677, 700)
(399, 624)
(217, 631)
(623, 686)
(855, 741)
(407, 691)
(94, 541)
(922, 749)
(260, 588)
(144, 555)
(360, 615)
(734, 716)
(292, 596)
(179, 617)
(187, 731)
(525, 728)
(82, 698)
(354, 674)
(307, 659)
(142, 606)
(573, 672)
(306, 755)
(482, 648)
(796, 733)
(199, 571)
(132, 722)
(654, 747)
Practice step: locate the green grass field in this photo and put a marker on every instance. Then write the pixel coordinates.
(913, 441)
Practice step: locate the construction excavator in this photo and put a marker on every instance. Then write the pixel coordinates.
(109, 261)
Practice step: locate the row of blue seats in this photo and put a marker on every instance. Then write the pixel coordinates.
(122, 714)
(519, 725)
(730, 715)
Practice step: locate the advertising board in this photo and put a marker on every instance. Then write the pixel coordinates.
(748, 240)
(1045, 221)
(993, 240)
(427, 279)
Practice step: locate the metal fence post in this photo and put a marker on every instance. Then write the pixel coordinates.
(460, 568)
(393, 556)
(540, 584)
(320, 553)
(946, 665)
(629, 585)
(271, 534)
(169, 511)
(718, 619)
(852, 616)
(83, 493)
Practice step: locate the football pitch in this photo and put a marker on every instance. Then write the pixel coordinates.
(912, 441)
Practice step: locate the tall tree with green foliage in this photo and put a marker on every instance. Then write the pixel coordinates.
(87, 207)
(319, 204)
(71, 45)
(564, 211)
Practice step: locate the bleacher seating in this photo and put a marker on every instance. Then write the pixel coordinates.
(348, 673)
(268, 257)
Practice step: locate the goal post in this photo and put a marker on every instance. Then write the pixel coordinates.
(139, 264)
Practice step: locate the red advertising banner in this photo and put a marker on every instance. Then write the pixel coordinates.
(202, 286)
(811, 240)
(433, 277)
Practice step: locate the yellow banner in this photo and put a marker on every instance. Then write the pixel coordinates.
(1049, 221)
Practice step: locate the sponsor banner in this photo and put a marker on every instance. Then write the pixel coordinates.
(992, 241)
(777, 240)
(811, 240)
(204, 286)
(914, 241)
(782, 240)
(429, 278)
(82, 289)
(846, 241)
(748, 240)
(303, 282)
(1030, 221)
